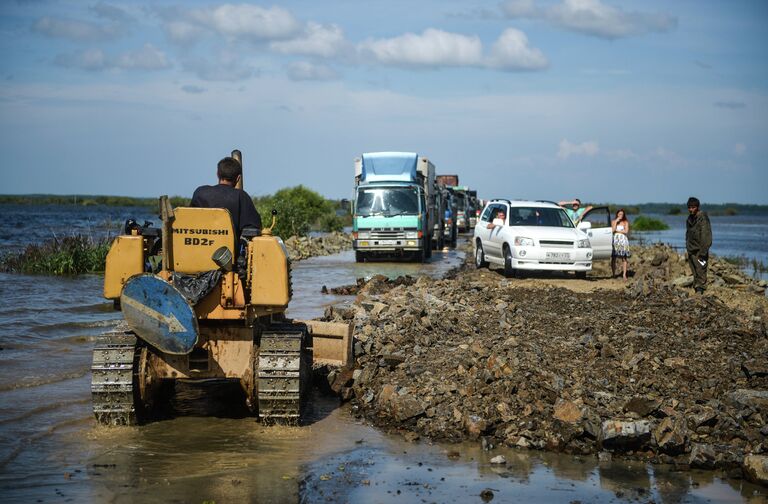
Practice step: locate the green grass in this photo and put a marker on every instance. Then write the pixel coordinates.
(67, 256)
(643, 223)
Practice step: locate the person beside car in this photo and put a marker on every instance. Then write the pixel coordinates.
(620, 228)
(574, 210)
(698, 240)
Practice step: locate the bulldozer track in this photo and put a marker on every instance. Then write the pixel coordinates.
(113, 379)
(284, 369)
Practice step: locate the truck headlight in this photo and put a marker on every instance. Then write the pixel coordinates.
(583, 243)
(521, 241)
(363, 235)
(411, 235)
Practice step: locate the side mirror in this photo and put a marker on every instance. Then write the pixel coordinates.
(584, 225)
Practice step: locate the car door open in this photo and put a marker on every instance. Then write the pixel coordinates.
(597, 225)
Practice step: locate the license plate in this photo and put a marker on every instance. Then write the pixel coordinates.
(558, 255)
(387, 242)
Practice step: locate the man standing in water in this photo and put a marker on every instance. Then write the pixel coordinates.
(698, 239)
(226, 195)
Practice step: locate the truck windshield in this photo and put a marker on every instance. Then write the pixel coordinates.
(387, 201)
(534, 216)
(461, 203)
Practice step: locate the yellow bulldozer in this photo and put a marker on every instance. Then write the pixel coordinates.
(201, 303)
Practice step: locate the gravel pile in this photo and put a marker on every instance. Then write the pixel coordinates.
(304, 247)
(650, 372)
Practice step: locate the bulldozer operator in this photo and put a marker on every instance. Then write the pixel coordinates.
(227, 194)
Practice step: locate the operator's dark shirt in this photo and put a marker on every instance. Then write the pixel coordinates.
(237, 201)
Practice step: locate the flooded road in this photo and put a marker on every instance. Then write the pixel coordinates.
(52, 450)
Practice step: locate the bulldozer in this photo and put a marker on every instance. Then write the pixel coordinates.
(202, 303)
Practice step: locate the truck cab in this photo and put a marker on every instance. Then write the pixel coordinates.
(396, 206)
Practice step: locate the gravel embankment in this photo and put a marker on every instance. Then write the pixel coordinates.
(649, 371)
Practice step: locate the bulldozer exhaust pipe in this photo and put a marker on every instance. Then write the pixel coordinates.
(236, 154)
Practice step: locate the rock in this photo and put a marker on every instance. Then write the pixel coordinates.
(486, 495)
(341, 379)
(671, 436)
(406, 407)
(411, 437)
(755, 469)
(643, 406)
(755, 368)
(624, 435)
(703, 456)
(475, 426)
(683, 281)
(756, 399)
(567, 411)
(499, 459)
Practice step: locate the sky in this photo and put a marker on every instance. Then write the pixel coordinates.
(605, 100)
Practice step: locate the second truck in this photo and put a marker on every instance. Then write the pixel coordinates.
(397, 206)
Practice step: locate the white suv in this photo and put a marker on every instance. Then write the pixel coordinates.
(536, 235)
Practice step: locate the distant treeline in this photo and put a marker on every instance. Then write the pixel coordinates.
(85, 200)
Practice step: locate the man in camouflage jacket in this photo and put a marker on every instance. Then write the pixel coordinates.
(698, 239)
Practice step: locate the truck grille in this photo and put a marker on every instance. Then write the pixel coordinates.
(556, 243)
(387, 234)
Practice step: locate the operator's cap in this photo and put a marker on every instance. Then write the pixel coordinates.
(694, 202)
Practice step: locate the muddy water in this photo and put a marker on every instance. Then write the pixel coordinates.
(51, 450)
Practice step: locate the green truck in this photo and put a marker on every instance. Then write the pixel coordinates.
(397, 206)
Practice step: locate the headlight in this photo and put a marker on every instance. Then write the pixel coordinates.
(363, 235)
(583, 243)
(523, 242)
(411, 235)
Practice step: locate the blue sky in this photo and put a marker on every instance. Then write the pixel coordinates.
(628, 101)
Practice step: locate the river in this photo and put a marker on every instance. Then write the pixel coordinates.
(52, 450)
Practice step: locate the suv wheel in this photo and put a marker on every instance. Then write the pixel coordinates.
(480, 261)
(509, 271)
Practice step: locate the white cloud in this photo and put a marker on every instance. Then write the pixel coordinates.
(89, 59)
(519, 8)
(146, 58)
(433, 48)
(567, 149)
(233, 21)
(512, 52)
(592, 17)
(183, 32)
(316, 40)
(436, 49)
(739, 149)
(306, 71)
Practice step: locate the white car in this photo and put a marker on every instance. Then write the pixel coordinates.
(539, 235)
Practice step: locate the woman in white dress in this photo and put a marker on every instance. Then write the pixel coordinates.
(620, 226)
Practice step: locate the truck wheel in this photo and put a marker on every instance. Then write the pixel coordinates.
(359, 256)
(480, 261)
(428, 249)
(454, 236)
(581, 275)
(509, 271)
(418, 256)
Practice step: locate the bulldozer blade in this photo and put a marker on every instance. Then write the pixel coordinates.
(159, 314)
(331, 343)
